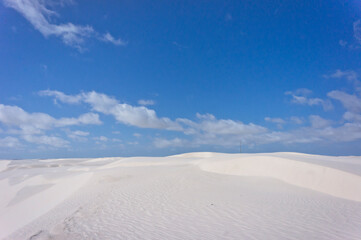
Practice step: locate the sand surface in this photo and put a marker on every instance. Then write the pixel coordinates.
(187, 196)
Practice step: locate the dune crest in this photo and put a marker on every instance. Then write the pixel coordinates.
(311, 176)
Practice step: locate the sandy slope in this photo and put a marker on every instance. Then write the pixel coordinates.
(187, 196)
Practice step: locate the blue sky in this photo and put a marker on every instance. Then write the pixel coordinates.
(130, 78)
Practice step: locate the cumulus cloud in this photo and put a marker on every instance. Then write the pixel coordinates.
(319, 122)
(28, 123)
(320, 130)
(301, 97)
(229, 133)
(208, 124)
(209, 130)
(32, 126)
(38, 13)
(36, 123)
(206, 129)
(84, 119)
(351, 102)
(352, 117)
(138, 116)
(344, 133)
(206, 116)
(229, 127)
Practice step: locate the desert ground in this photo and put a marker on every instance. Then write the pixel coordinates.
(187, 196)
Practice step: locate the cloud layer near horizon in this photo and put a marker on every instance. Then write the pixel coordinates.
(20, 126)
(206, 129)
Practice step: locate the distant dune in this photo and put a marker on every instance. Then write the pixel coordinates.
(187, 196)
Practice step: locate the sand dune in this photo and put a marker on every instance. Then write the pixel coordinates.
(311, 176)
(187, 196)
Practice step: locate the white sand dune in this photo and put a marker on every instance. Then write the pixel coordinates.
(187, 196)
(311, 176)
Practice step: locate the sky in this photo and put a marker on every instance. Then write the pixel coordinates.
(154, 78)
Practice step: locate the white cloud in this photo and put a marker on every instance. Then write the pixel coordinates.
(348, 74)
(32, 126)
(61, 96)
(206, 116)
(37, 12)
(84, 119)
(77, 135)
(352, 117)
(226, 127)
(208, 130)
(278, 121)
(146, 102)
(229, 133)
(351, 102)
(80, 133)
(210, 125)
(109, 38)
(9, 142)
(137, 135)
(345, 133)
(141, 116)
(223, 132)
(300, 97)
(28, 123)
(136, 116)
(36, 123)
(319, 122)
